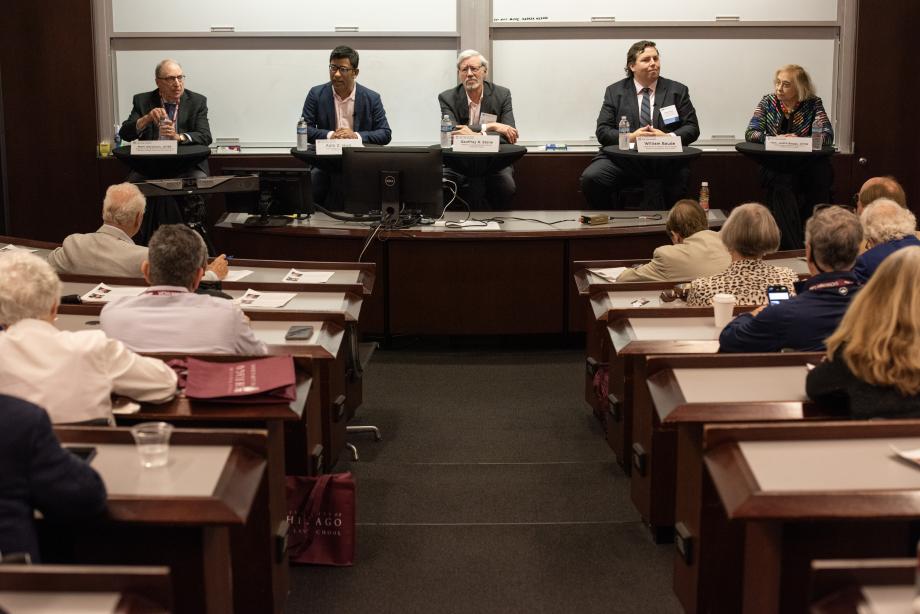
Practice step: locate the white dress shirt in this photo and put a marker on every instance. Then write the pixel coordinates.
(73, 374)
(172, 319)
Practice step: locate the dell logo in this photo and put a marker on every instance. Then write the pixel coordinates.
(389, 181)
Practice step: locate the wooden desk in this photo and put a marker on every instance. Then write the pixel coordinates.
(179, 515)
(812, 490)
(879, 586)
(517, 280)
(688, 392)
(85, 589)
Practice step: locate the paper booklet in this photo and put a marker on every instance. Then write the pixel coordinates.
(237, 274)
(253, 299)
(103, 293)
(610, 274)
(307, 277)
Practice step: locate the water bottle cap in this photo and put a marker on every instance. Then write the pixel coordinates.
(705, 184)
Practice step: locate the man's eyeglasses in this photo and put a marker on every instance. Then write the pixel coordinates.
(342, 69)
(176, 79)
(472, 69)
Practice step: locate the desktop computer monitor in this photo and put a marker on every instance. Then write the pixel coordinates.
(282, 191)
(393, 180)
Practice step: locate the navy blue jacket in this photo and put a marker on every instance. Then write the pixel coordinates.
(870, 260)
(370, 120)
(801, 323)
(37, 473)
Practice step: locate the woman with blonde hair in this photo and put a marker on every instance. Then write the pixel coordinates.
(873, 361)
(749, 233)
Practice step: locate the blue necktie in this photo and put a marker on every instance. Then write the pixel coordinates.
(645, 113)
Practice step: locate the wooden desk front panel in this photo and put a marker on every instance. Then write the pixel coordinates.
(478, 287)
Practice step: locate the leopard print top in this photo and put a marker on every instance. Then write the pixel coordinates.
(746, 279)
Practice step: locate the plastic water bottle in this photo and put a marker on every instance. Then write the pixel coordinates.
(817, 135)
(303, 141)
(116, 140)
(446, 128)
(163, 123)
(624, 133)
(704, 196)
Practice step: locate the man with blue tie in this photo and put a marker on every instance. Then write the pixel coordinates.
(343, 109)
(654, 106)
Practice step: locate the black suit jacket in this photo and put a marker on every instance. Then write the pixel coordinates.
(35, 472)
(193, 118)
(495, 100)
(620, 99)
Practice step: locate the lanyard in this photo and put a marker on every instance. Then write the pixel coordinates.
(837, 283)
(175, 115)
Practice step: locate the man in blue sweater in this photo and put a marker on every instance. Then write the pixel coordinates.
(888, 227)
(803, 322)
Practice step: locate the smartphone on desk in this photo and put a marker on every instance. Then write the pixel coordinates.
(299, 333)
(777, 294)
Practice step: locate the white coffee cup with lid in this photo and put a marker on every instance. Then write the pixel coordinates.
(722, 307)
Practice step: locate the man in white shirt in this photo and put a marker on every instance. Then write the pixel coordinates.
(110, 251)
(169, 316)
(72, 375)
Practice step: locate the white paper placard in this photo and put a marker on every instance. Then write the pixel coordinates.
(333, 147)
(659, 144)
(154, 148)
(787, 143)
(476, 143)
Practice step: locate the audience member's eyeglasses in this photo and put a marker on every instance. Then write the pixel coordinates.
(822, 207)
(472, 69)
(176, 79)
(342, 69)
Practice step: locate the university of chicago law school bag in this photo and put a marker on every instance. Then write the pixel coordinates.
(321, 519)
(260, 380)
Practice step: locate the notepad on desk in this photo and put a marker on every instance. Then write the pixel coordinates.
(467, 225)
(609, 274)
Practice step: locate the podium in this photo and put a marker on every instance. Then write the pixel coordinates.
(652, 169)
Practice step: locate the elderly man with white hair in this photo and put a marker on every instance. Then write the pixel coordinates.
(110, 251)
(72, 375)
(888, 227)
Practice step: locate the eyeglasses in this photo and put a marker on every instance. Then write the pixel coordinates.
(472, 69)
(176, 79)
(822, 207)
(342, 69)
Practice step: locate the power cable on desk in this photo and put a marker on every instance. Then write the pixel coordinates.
(501, 219)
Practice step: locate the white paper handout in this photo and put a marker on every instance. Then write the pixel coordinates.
(15, 248)
(307, 277)
(237, 274)
(253, 299)
(609, 274)
(103, 293)
(912, 456)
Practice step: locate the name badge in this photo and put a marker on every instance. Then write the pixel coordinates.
(669, 115)
(476, 142)
(333, 147)
(487, 118)
(160, 148)
(787, 143)
(669, 143)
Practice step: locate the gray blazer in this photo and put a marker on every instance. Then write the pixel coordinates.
(495, 100)
(106, 252)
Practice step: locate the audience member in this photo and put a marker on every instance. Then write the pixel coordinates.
(888, 227)
(802, 323)
(749, 233)
(37, 474)
(169, 316)
(71, 374)
(110, 251)
(696, 250)
(873, 367)
(880, 187)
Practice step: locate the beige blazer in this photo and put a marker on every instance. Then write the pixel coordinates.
(700, 255)
(108, 251)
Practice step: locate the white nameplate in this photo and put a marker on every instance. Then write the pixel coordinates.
(476, 142)
(788, 143)
(659, 144)
(157, 148)
(333, 147)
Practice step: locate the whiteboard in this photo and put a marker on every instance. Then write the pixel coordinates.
(558, 85)
(663, 10)
(284, 15)
(258, 95)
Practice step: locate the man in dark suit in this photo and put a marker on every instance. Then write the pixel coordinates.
(36, 473)
(654, 106)
(342, 109)
(477, 105)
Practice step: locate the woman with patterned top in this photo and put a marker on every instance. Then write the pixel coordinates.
(749, 233)
(791, 110)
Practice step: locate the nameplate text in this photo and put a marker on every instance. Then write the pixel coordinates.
(154, 148)
(669, 143)
(787, 143)
(476, 143)
(333, 147)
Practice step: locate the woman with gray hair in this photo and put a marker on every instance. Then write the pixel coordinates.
(749, 233)
(888, 227)
(72, 375)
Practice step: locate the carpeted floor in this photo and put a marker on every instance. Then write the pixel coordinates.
(493, 490)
